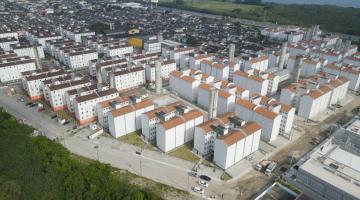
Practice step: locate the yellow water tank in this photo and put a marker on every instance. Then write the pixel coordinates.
(136, 42)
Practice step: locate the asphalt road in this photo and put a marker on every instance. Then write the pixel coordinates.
(153, 165)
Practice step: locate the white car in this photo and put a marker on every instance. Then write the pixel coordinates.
(198, 190)
(203, 183)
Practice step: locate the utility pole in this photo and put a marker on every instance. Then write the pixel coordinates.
(97, 151)
(140, 167)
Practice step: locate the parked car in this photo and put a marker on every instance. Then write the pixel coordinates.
(203, 183)
(54, 116)
(66, 122)
(198, 190)
(41, 109)
(138, 152)
(204, 177)
(32, 104)
(28, 104)
(270, 168)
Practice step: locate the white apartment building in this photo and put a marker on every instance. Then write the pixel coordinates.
(287, 112)
(32, 81)
(40, 35)
(27, 50)
(309, 67)
(80, 59)
(128, 119)
(152, 46)
(178, 130)
(215, 69)
(118, 50)
(206, 133)
(11, 68)
(54, 93)
(76, 35)
(260, 63)
(6, 42)
(8, 34)
(85, 106)
(158, 115)
(71, 95)
(166, 68)
(7, 54)
(269, 120)
(195, 60)
(251, 82)
(184, 86)
(353, 59)
(349, 71)
(138, 59)
(105, 63)
(104, 109)
(312, 97)
(298, 49)
(127, 79)
(226, 99)
(234, 146)
(181, 56)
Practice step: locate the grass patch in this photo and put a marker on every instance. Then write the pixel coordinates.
(226, 177)
(184, 152)
(136, 140)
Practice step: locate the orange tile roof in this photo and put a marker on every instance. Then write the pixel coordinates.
(192, 114)
(246, 104)
(176, 121)
(266, 113)
(188, 79)
(232, 137)
(176, 73)
(224, 94)
(251, 127)
(207, 126)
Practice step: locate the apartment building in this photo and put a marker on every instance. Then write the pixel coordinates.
(206, 133)
(178, 130)
(6, 42)
(353, 59)
(253, 82)
(128, 119)
(349, 71)
(260, 63)
(118, 50)
(54, 92)
(80, 59)
(127, 79)
(104, 108)
(85, 106)
(11, 68)
(167, 67)
(236, 145)
(181, 56)
(269, 120)
(313, 96)
(105, 63)
(32, 81)
(309, 66)
(25, 49)
(158, 115)
(216, 69)
(71, 95)
(184, 86)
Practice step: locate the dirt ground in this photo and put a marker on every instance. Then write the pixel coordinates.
(255, 182)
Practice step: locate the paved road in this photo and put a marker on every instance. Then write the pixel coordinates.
(150, 164)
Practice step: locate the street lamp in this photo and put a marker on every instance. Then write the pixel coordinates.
(97, 151)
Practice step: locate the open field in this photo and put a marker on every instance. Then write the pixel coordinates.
(217, 6)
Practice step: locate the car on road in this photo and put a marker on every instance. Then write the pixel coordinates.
(54, 116)
(198, 190)
(203, 183)
(75, 127)
(32, 105)
(41, 109)
(66, 122)
(138, 152)
(192, 173)
(204, 177)
(28, 104)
